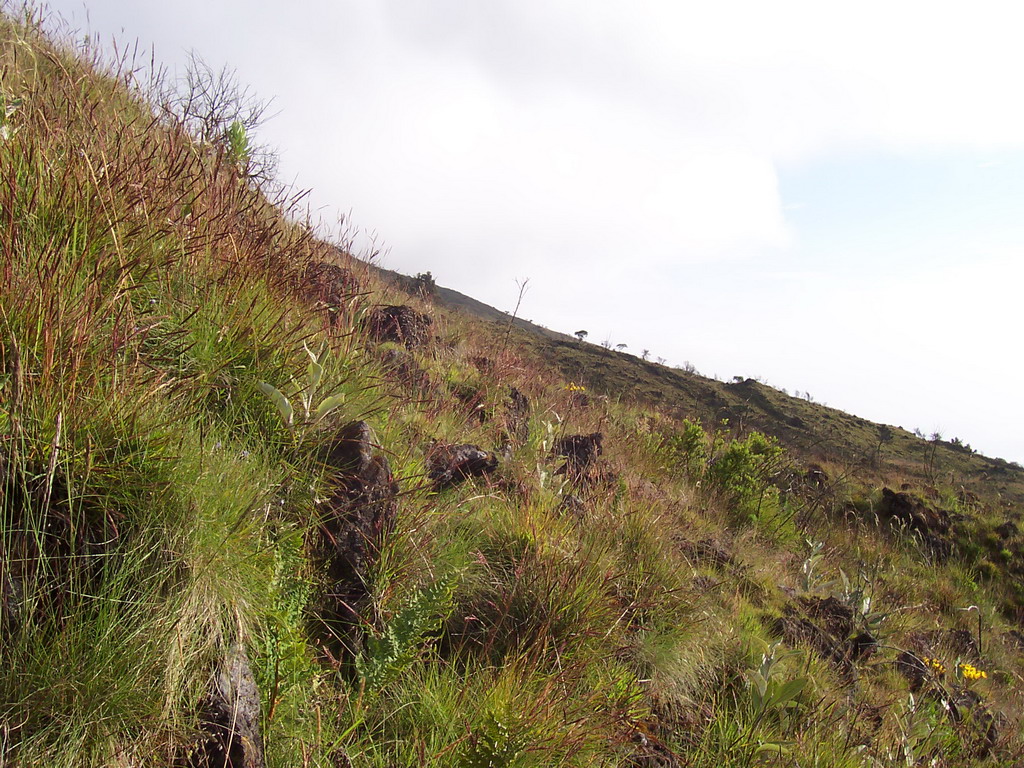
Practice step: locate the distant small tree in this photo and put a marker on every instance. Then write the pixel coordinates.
(621, 347)
(645, 354)
(423, 284)
(581, 335)
(885, 435)
(933, 455)
(661, 360)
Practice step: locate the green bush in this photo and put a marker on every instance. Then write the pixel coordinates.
(743, 471)
(688, 450)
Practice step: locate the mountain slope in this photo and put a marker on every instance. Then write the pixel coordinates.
(261, 507)
(810, 430)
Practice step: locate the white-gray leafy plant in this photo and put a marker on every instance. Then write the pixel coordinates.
(311, 414)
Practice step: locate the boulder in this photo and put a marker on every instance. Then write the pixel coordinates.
(978, 725)
(816, 477)
(231, 717)
(354, 518)
(448, 465)
(651, 753)
(704, 551)
(400, 324)
(579, 452)
(482, 364)
(910, 511)
(1007, 530)
(329, 283)
(827, 626)
(965, 707)
(913, 668)
(473, 400)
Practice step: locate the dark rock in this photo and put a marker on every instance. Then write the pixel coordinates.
(704, 583)
(330, 284)
(961, 642)
(579, 399)
(353, 521)
(339, 758)
(816, 477)
(913, 669)
(12, 595)
(1007, 530)
(231, 717)
(451, 464)
(650, 753)
(1015, 638)
(913, 513)
(964, 707)
(928, 525)
(826, 625)
(400, 324)
(52, 546)
(863, 645)
(834, 615)
(579, 452)
(517, 417)
(705, 551)
(968, 497)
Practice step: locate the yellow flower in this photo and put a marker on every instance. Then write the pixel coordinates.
(971, 672)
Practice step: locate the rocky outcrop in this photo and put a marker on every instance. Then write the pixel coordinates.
(399, 324)
(579, 452)
(826, 625)
(937, 643)
(330, 284)
(909, 513)
(231, 717)
(705, 552)
(353, 521)
(651, 753)
(448, 465)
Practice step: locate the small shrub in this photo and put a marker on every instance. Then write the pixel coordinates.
(688, 450)
(743, 470)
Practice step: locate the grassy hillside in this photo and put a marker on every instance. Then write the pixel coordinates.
(810, 430)
(252, 515)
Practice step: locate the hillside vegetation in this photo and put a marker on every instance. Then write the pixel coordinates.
(262, 507)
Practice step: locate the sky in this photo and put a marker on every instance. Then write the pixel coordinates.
(825, 196)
